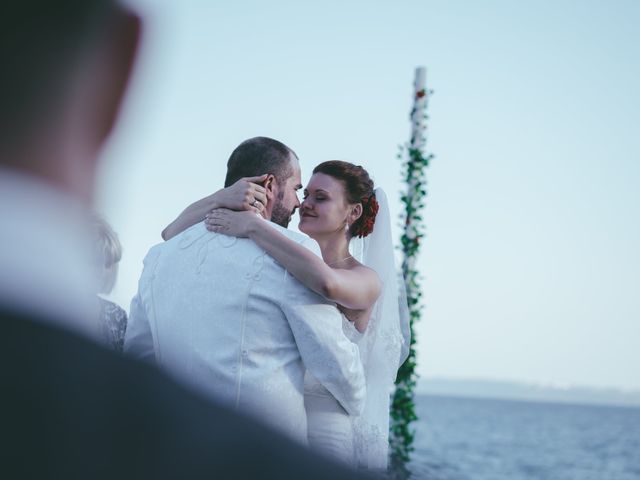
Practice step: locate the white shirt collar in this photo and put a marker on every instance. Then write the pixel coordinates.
(46, 254)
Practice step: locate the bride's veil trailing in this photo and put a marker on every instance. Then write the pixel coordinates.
(385, 343)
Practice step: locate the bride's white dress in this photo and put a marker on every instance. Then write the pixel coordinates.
(329, 426)
(363, 441)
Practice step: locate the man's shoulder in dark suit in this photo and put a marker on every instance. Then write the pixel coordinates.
(73, 409)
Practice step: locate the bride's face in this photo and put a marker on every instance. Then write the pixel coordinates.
(324, 209)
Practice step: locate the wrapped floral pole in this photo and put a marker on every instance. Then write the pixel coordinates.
(415, 160)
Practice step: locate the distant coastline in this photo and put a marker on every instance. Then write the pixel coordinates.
(509, 390)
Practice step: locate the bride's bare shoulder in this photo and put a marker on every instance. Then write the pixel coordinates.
(368, 274)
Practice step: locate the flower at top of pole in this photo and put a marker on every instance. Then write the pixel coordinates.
(417, 113)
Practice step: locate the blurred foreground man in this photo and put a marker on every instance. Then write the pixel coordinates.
(70, 408)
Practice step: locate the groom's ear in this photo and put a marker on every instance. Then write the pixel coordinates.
(270, 185)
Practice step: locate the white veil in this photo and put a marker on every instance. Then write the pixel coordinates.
(385, 344)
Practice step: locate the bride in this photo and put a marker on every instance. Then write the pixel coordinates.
(351, 223)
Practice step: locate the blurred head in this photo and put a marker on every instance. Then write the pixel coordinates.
(108, 253)
(65, 66)
(261, 155)
(338, 199)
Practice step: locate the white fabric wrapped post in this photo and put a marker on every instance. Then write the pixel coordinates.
(417, 142)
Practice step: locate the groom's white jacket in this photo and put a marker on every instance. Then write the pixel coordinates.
(222, 315)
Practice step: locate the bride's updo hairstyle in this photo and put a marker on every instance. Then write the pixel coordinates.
(359, 189)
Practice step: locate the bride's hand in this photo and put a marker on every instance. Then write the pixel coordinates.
(235, 224)
(245, 194)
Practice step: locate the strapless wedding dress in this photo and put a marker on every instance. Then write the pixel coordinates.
(329, 427)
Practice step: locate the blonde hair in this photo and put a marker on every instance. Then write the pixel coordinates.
(109, 252)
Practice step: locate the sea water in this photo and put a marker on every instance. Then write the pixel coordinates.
(482, 439)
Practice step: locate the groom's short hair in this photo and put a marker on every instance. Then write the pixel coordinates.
(257, 156)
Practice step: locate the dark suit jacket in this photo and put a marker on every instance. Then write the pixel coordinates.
(70, 409)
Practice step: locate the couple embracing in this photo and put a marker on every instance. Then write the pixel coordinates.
(303, 332)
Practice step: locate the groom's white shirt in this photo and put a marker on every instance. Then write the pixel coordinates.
(223, 316)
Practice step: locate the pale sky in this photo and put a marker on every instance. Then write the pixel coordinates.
(531, 265)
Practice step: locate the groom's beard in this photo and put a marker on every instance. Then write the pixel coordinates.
(280, 215)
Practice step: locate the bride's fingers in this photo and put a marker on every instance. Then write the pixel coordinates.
(254, 200)
(255, 188)
(260, 197)
(216, 221)
(217, 228)
(258, 207)
(258, 179)
(213, 222)
(217, 213)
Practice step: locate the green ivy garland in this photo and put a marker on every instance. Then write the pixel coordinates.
(415, 162)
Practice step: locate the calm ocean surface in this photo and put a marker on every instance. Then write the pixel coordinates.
(481, 439)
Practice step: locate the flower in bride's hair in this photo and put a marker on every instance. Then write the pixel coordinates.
(368, 218)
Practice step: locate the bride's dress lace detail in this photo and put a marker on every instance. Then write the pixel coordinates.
(371, 446)
(350, 330)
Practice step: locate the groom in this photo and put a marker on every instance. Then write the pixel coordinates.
(223, 316)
